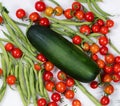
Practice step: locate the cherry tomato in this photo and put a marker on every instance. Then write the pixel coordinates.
(68, 13)
(95, 57)
(105, 100)
(94, 48)
(109, 58)
(58, 11)
(16, 53)
(44, 22)
(70, 82)
(48, 66)
(40, 6)
(94, 84)
(9, 47)
(80, 15)
(117, 59)
(86, 46)
(37, 67)
(100, 22)
(89, 16)
(108, 69)
(76, 6)
(20, 13)
(1, 72)
(49, 11)
(103, 50)
(60, 87)
(34, 16)
(77, 40)
(41, 102)
(85, 29)
(56, 97)
(100, 63)
(47, 76)
(61, 75)
(69, 94)
(109, 89)
(104, 30)
(11, 80)
(116, 68)
(103, 40)
(76, 102)
(95, 28)
(106, 78)
(109, 23)
(116, 77)
(41, 57)
(1, 20)
(52, 104)
(50, 86)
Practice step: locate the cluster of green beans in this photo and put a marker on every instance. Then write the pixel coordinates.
(29, 81)
(85, 1)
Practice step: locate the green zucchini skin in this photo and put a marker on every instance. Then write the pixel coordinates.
(62, 53)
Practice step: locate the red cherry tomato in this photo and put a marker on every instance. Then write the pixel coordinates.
(9, 47)
(77, 40)
(76, 6)
(56, 97)
(104, 30)
(50, 86)
(20, 13)
(68, 13)
(47, 76)
(1, 72)
(105, 100)
(37, 67)
(109, 23)
(11, 80)
(44, 22)
(41, 57)
(116, 68)
(80, 15)
(40, 6)
(1, 20)
(100, 22)
(69, 94)
(94, 84)
(108, 69)
(85, 29)
(70, 82)
(89, 16)
(34, 16)
(41, 102)
(116, 77)
(61, 75)
(52, 104)
(48, 66)
(103, 50)
(103, 40)
(76, 102)
(95, 57)
(117, 59)
(95, 28)
(60, 87)
(16, 53)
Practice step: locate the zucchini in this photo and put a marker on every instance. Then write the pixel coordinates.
(62, 53)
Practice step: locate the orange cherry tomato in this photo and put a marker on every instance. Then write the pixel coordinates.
(100, 63)
(69, 94)
(49, 11)
(109, 89)
(58, 11)
(94, 48)
(76, 102)
(86, 46)
(48, 66)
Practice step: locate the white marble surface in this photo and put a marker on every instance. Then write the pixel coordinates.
(12, 98)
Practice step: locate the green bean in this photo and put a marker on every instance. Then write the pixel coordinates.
(56, 3)
(70, 30)
(21, 95)
(27, 83)
(94, 11)
(37, 88)
(88, 94)
(32, 86)
(85, 1)
(41, 86)
(5, 53)
(16, 71)
(99, 9)
(21, 79)
(4, 68)
(46, 94)
(78, 23)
